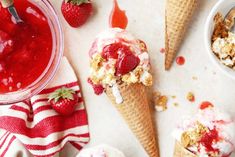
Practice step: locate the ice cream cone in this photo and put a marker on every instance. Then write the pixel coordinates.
(180, 151)
(178, 14)
(136, 112)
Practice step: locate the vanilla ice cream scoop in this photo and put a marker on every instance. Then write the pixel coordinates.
(101, 151)
(210, 133)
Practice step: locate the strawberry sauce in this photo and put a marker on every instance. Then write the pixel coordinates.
(25, 48)
(118, 17)
(180, 60)
(126, 60)
(205, 105)
(208, 139)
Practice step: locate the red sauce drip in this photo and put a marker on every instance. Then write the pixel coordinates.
(118, 17)
(162, 50)
(180, 60)
(208, 139)
(27, 49)
(205, 105)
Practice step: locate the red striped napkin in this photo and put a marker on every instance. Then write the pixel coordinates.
(41, 130)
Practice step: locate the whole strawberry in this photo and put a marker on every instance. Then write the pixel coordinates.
(64, 101)
(76, 12)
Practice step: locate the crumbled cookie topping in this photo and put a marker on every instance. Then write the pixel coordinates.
(190, 138)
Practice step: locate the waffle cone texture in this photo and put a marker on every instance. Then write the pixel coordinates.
(177, 17)
(180, 151)
(136, 112)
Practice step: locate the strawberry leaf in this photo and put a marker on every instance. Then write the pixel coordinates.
(77, 2)
(62, 93)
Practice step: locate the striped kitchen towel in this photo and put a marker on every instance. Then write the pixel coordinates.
(36, 125)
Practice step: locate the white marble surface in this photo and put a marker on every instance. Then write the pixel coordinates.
(146, 21)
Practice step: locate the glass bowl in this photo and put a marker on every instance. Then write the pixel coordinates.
(57, 53)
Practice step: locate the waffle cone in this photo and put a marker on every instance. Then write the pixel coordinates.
(136, 112)
(180, 151)
(178, 15)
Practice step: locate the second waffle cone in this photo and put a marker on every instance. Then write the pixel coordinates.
(178, 15)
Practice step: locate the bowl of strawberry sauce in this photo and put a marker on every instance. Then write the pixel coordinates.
(30, 52)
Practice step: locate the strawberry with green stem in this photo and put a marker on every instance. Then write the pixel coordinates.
(76, 12)
(64, 101)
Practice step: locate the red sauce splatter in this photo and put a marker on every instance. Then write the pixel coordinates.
(205, 105)
(118, 17)
(98, 89)
(180, 60)
(208, 138)
(162, 50)
(192, 98)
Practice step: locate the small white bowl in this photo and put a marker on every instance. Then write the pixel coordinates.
(223, 7)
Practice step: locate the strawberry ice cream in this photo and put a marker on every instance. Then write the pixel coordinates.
(101, 151)
(210, 133)
(117, 56)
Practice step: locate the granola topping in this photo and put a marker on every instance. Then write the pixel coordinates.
(192, 137)
(223, 41)
(116, 56)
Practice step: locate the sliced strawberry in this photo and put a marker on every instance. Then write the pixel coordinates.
(115, 50)
(126, 63)
(111, 51)
(64, 101)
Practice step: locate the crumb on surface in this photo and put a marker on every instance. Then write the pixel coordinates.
(176, 104)
(160, 101)
(195, 78)
(190, 97)
(162, 50)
